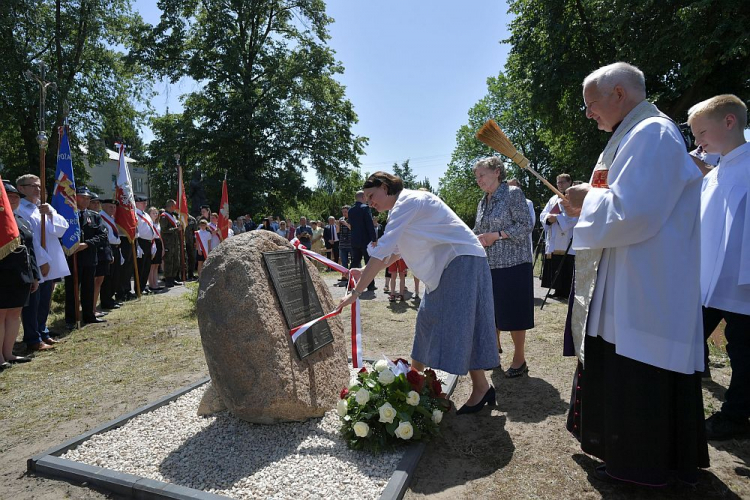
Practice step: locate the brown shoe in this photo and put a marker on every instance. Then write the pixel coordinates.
(50, 341)
(41, 346)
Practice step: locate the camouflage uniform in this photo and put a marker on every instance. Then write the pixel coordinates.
(170, 236)
(192, 227)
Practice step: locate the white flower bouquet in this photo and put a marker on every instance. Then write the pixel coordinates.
(391, 405)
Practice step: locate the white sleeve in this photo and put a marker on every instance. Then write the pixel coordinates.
(399, 219)
(651, 172)
(546, 210)
(56, 225)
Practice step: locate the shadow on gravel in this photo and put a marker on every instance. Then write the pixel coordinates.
(459, 460)
(709, 486)
(213, 458)
(527, 398)
(717, 390)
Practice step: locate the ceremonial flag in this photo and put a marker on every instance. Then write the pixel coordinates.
(125, 212)
(64, 195)
(9, 239)
(224, 221)
(182, 199)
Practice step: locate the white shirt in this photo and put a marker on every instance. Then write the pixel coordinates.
(559, 233)
(54, 227)
(647, 295)
(427, 234)
(109, 223)
(725, 233)
(146, 229)
(533, 218)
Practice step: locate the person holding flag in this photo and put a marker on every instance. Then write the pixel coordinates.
(171, 230)
(18, 269)
(93, 237)
(125, 219)
(50, 257)
(112, 280)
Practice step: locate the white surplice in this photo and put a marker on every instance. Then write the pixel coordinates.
(54, 227)
(557, 235)
(725, 233)
(647, 295)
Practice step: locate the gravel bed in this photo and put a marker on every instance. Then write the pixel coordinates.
(224, 455)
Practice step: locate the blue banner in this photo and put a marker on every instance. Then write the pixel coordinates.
(64, 197)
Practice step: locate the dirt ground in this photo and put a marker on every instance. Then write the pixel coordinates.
(520, 449)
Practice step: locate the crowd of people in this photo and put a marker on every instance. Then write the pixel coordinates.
(651, 254)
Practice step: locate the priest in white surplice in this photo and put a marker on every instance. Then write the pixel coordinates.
(636, 315)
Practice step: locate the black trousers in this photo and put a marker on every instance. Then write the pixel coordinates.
(358, 253)
(86, 293)
(126, 270)
(144, 262)
(737, 398)
(112, 280)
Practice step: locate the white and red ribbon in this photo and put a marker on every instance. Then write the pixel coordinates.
(355, 320)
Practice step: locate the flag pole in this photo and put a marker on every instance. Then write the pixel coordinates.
(76, 297)
(41, 137)
(180, 188)
(135, 269)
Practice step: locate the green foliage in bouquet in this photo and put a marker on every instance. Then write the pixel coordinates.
(380, 409)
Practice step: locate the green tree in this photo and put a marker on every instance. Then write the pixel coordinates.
(269, 106)
(507, 104)
(81, 42)
(689, 50)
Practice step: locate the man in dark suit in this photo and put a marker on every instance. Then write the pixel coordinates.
(331, 237)
(93, 237)
(362, 233)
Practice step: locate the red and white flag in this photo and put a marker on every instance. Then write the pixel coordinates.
(182, 199)
(125, 212)
(224, 220)
(9, 239)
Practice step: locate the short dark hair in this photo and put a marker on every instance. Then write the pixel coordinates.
(565, 177)
(393, 183)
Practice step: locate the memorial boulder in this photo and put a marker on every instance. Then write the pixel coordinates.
(251, 287)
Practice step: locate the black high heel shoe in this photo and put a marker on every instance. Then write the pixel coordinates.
(488, 399)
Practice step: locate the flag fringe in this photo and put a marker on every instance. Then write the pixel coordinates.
(9, 247)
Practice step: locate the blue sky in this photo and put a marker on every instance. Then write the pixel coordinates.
(412, 71)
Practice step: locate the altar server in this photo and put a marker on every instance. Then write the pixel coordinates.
(636, 313)
(718, 125)
(558, 233)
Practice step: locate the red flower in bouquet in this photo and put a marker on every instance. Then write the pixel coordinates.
(363, 370)
(436, 388)
(344, 393)
(415, 380)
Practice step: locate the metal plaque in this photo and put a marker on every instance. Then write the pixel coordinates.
(298, 298)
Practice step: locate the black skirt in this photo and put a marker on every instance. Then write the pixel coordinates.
(156, 258)
(513, 291)
(642, 421)
(14, 293)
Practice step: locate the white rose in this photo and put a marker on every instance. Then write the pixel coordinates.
(412, 398)
(404, 430)
(361, 429)
(362, 396)
(342, 407)
(381, 365)
(353, 382)
(387, 413)
(386, 377)
(437, 416)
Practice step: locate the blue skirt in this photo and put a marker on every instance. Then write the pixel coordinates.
(456, 322)
(513, 289)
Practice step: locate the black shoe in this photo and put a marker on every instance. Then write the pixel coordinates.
(4, 366)
(720, 427)
(177, 283)
(517, 372)
(488, 399)
(19, 359)
(168, 284)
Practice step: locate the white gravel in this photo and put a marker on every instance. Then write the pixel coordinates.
(227, 456)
